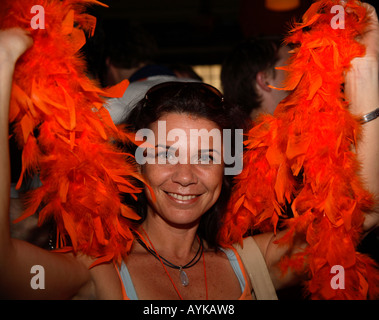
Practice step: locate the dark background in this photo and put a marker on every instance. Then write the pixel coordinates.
(201, 31)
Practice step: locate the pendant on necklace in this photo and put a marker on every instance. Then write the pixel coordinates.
(183, 277)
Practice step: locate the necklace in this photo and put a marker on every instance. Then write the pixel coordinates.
(182, 275)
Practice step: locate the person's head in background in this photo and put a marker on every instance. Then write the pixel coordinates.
(118, 50)
(128, 49)
(249, 71)
(184, 71)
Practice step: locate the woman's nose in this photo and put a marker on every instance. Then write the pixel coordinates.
(184, 174)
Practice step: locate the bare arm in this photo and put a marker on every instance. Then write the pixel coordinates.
(273, 253)
(64, 275)
(362, 90)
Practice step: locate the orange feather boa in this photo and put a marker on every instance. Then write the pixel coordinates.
(302, 158)
(82, 174)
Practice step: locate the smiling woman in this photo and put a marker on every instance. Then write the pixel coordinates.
(186, 169)
(187, 193)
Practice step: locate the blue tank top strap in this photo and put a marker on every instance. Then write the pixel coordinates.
(235, 266)
(127, 282)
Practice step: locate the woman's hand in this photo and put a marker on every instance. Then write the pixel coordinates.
(370, 38)
(13, 43)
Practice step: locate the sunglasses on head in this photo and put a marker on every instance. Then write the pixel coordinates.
(174, 87)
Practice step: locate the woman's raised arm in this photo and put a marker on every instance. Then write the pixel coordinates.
(62, 275)
(362, 90)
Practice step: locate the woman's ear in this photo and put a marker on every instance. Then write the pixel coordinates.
(263, 81)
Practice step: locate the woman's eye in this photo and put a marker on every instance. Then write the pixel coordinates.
(166, 155)
(205, 159)
(162, 154)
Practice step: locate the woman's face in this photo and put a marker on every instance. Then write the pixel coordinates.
(187, 173)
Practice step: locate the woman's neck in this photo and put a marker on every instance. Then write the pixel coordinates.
(175, 242)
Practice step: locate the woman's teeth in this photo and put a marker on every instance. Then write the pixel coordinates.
(180, 197)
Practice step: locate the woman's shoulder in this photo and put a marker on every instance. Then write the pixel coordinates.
(254, 262)
(252, 243)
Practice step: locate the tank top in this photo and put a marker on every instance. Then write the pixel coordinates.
(247, 263)
(234, 260)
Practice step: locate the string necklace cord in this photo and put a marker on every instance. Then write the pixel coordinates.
(205, 278)
(170, 264)
(164, 267)
(188, 265)
(154, 252)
